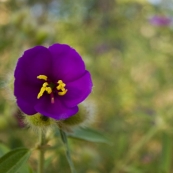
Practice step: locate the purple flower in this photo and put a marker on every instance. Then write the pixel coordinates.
(160, 20)
(51, 81)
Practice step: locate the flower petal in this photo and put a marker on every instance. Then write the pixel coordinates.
(78, 90)
(26, 107)
(26, 93)
(54, 110)
(67, 63)
(35, 61)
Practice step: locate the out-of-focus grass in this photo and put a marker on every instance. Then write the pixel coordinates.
(131, 63)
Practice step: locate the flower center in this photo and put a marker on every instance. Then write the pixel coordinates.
(50, 88)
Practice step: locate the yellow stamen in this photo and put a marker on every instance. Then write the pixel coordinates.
(43, 89)
(62, 92)
(45, 84)
(61, 87)
(49, 90)
(47, 87)
(44, 77)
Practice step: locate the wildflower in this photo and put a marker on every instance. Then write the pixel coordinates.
(51, 81)
(160, 20)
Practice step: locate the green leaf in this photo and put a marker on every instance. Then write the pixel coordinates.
(30, 170)
(68, 155)
(13, 160)
(88, 135)
(25, 169)
(166, 157)
(3, 149)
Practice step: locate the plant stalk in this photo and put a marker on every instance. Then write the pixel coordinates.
(41, 151)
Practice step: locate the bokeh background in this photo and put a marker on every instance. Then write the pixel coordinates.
(131, 62)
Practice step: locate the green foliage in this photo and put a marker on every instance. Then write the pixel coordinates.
(166, 157)
(68, 155)
(25, 169)
(3, 149)
(88, 135)
(13, 160)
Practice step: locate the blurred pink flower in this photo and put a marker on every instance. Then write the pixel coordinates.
(160, 20)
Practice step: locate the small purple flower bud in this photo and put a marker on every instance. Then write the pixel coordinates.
(160, 20)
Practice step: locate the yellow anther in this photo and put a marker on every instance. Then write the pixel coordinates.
(48, 87)
(44, 77)
(45, 84)
(61, 87)
(62, 92)
(58, 87)
(43, 89)
(49, 90)
(60, 82)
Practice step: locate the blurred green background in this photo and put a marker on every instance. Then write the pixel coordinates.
(131, 62)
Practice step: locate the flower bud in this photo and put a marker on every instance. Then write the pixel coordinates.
(75, 120)
(85, 116)
(39, 121)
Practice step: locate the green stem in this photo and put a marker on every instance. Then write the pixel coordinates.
(41, 151)
(64, 140)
